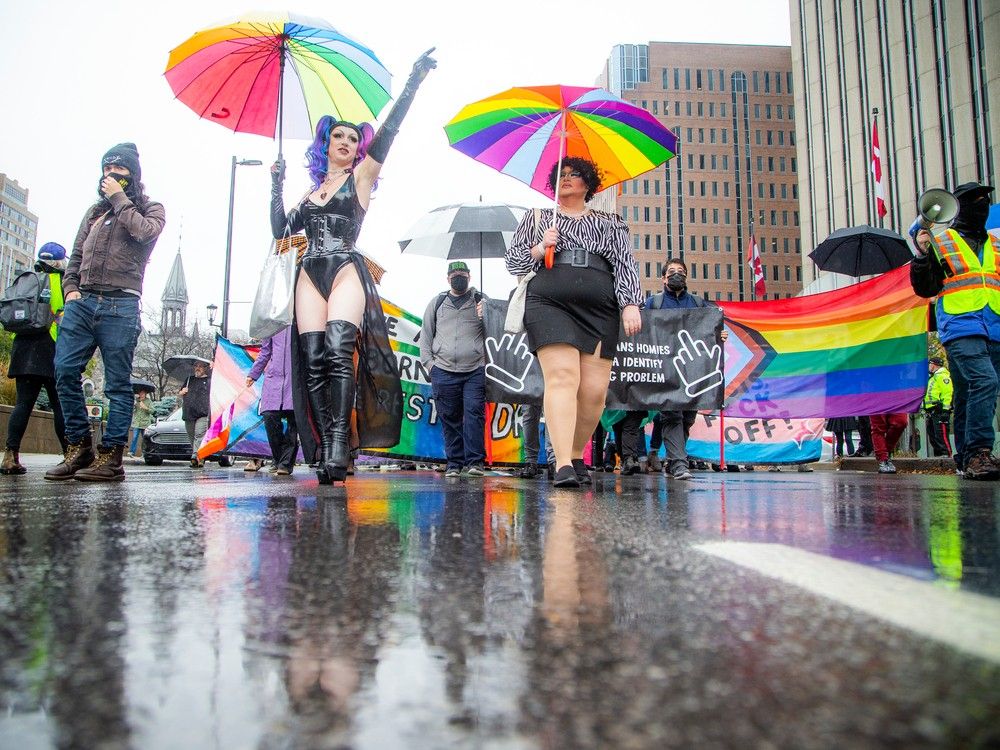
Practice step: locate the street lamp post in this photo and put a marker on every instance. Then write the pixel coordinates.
(224, 327)
(212, 310)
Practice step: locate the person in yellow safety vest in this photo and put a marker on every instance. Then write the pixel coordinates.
(937, 406)
(31, 364)
(960, 267)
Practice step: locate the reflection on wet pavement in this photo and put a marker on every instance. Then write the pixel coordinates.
(406, 611)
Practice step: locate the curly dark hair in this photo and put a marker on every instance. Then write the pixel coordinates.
(588, 171)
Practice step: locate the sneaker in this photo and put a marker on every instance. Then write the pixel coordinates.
(453, 472)
(254, 464)
(474, 470)
(886, 467)
(582, 474)
(630, 466)
(566, 477)
(529, 472)
(683, 475)
(774, 468)
(981, 466)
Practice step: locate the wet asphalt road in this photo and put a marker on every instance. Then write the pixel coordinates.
(223, 610)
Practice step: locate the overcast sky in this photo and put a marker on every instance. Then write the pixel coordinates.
(82, 76)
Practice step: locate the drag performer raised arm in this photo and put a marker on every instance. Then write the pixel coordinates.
(336, 304)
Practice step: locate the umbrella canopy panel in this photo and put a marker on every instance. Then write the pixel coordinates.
(142, 385)
(518, 132)
(232, 75)
(861, 251)
(466, 230)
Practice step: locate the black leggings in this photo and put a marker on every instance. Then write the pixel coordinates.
(28, 389)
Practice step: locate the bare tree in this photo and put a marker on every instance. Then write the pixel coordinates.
(157, 344)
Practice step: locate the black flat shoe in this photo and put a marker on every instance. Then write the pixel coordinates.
(566, 477)
(581, 471)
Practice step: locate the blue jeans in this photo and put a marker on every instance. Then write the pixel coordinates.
(136, 439)
(975, 370)
(110, 324)
(460, 398)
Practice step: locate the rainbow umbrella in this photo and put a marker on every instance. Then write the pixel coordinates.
(255, 73)
(524, 131)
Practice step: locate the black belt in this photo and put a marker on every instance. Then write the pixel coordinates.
(109, 293)
(581, 257)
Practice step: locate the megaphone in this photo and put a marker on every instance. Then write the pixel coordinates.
(935, 206)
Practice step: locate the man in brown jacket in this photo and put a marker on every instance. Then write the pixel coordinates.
(102, 288)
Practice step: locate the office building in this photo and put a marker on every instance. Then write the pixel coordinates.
(732, 109)
(18, 227)
(931, 69)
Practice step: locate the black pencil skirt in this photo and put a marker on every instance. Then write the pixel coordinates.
(575, 306)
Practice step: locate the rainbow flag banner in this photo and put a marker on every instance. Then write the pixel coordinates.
(421, 437)
(852, 351)
(236, 426)
(757, 441)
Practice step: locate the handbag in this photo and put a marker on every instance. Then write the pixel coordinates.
(514, 322)
(274, 302)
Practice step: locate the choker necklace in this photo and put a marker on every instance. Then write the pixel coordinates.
(325, 185)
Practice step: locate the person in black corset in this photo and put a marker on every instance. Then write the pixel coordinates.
(573, 310)
(337, 307)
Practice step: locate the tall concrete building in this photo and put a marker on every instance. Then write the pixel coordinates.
(18, 228)
(932, 70)
(732, 109)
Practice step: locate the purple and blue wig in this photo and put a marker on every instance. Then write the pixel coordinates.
(317, 159)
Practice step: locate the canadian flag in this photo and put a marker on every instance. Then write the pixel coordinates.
(878, 173)
(753, 252)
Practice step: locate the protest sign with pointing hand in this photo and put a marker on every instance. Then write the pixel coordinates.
(512, 351)
(696, 355)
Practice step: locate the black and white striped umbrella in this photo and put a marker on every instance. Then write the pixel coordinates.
(466, 230)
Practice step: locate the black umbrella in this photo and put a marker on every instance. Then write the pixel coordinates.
(181, 366)
(142, 385)
(861, 251)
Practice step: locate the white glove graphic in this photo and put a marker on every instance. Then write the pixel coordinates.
(691, 351)
(515, 344)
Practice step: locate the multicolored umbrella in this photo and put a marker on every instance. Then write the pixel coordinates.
(257, 73)
(524, 131)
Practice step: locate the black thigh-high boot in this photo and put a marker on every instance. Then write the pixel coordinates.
(341, 338)
(317, 367)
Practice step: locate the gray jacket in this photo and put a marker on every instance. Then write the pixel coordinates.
(452, 338)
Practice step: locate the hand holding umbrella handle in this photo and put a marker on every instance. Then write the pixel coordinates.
(549, 240)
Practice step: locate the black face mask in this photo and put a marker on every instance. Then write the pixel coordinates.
(124, 180)
(459, 283)
(973, 212)
(676, 282)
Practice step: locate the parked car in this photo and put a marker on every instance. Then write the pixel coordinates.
(167, 440)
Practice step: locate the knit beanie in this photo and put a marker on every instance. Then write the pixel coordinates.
(124, 155)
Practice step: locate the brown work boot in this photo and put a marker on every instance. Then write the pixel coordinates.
(77, 456)
(107, 467)
(982, 466)
(11, 463)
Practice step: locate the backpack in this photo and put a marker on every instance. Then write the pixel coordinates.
(25, 305)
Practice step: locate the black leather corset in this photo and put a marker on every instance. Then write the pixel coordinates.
(335, 226)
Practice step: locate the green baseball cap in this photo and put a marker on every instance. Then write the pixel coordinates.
(458, 265)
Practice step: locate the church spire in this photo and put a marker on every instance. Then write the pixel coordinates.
(175, 296)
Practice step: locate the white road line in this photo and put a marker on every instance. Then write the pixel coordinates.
(964, 620)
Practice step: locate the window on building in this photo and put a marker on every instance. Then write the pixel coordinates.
(690, 138)
(771, 190)
(715, 216)
(770, 164)
(715, 189)
(701, 135)
(677, 78)
(779, 109)
(788, 273)
(795, 187)
(756, 113)
(786, 245)
(711, 79)
(714, 162)
(694, 271)
(704, 216)
(687, 79)
(784, 218)
(789, 91)
(722, 109)
(725, 157)
(775, 272)
(635, 214)
(659, 245)
(692, 213)
(666, 78)
(711, 135)
(635, 242)
(690, 161)
(698, 78)
(656, 106)
(770, 137)
(796, 215)
(648, 269)
(701, 161)
(726, 213)
(656, 188)
(702, 188)
(774, 218)
(757, 136)
(704, 243)
(715, 243)
(781, 137)
(760, 189)
(718, 272)
(767, 82)
(767, 111)
(725, 135)
(729, 272)
(645, 213)
(722, 83)
(711, 109)
(798, 273)
(701, 109)
(657, 215)
(646, 242)
(729, 244)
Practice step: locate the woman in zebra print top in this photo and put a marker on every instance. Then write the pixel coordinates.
(572, 310)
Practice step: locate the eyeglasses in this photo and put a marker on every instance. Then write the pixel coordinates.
(568, 175)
